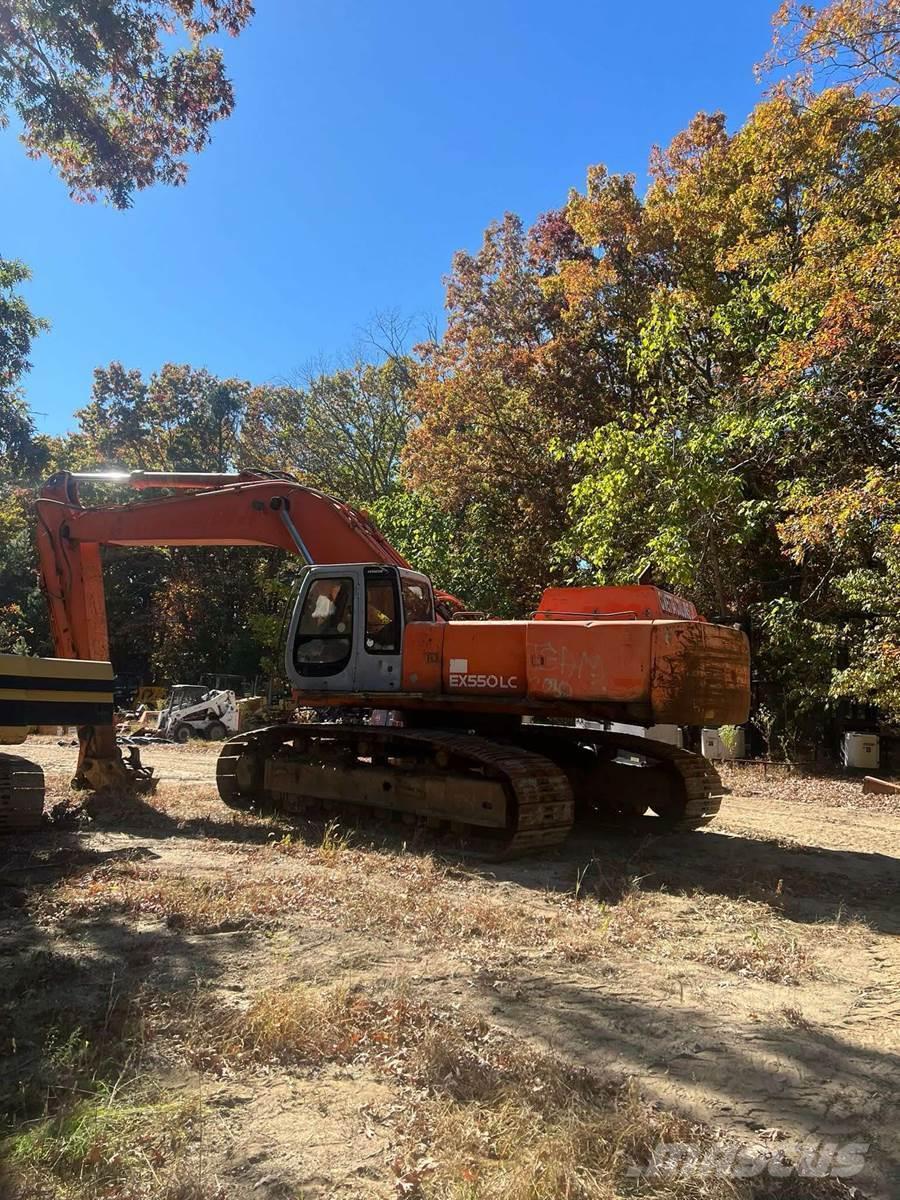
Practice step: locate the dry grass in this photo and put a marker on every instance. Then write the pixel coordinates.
(407, 895)
(610, 912)
(184, 806)
(793, 1016)
(296, 1026)
(752, 938)
(606, 915)
(774, 959)
(515, 1149)
(746, 938)
(779, 783)
(198, 905)
(479, 1115)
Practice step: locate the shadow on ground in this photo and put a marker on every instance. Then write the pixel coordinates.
(66, 996)
(801, 1083)
(807, 884)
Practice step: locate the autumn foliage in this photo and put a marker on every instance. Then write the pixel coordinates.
(691, 376)
(101, 93)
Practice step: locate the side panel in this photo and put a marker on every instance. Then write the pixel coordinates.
(589, 660)
(423, 649)
(485, 658)
(701, 674)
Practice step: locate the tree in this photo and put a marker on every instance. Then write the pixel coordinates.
(663, 378)
(102, 94)
(22, 454)
(460, 553)
(173, 613)
(767, 358)
(18, 329)
(768, 327)
(855, 41)
(23, 618)
(99, 91)
(181, 419)
(849, 537)
(341, 431)
(514, 374)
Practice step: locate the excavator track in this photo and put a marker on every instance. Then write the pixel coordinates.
(685, 789)
(507, 800)
(21, 794)
(513, 796)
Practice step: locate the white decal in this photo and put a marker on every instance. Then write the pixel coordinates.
(674, 605)
(460, 679)
(459, 666)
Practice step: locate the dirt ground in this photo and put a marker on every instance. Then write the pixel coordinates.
(745, 978)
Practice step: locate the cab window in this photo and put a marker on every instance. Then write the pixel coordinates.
(382, 618)
(325, 631)
(416, 600)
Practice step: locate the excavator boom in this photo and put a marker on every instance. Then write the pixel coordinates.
(243, 509)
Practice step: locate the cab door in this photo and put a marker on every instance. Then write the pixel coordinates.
(379, 658)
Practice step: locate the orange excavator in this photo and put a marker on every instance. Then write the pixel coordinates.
(501, 731)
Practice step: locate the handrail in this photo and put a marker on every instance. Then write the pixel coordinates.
(628, 614)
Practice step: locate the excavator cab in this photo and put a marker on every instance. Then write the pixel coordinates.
(346, 631)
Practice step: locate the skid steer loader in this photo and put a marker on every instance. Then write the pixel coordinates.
(194, 711)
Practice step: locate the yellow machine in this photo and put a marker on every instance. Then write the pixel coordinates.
(43, 691)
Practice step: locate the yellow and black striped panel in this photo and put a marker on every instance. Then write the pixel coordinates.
(54, 691)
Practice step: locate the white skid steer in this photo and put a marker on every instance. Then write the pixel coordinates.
(195, 711)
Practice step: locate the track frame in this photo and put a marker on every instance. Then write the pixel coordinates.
(514, 793)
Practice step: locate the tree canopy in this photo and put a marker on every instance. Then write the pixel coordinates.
(341, 430)
(100, 90)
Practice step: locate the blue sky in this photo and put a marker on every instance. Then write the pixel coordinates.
(369, 142)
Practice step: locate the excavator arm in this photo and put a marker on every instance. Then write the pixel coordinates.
(245, 509)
